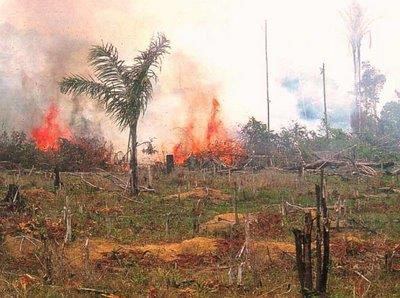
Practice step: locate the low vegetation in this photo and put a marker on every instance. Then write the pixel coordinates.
(186, 240)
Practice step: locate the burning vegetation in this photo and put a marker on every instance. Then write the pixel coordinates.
(209, 144)
(18, 150)
(47, 135)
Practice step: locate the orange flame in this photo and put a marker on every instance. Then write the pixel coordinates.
(48, 134)
(216, 142)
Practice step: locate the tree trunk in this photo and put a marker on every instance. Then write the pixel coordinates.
(308, 277)
(325, 242)
(318, 237)
(57, 179)
(133, 162)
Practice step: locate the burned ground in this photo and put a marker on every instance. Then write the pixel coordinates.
(149, 247)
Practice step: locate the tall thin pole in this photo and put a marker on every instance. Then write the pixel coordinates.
(267, 78)
(325, 111)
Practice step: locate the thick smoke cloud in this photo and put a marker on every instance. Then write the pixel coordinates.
(38, 49)
(30, 65)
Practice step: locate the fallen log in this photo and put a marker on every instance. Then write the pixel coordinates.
(319, 164)
(85, 181)
(388, 190)
(378, 165)
(292, 208)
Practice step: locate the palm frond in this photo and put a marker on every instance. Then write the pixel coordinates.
(143, 73)
(78, 85)
(113, 100)
(108, 68)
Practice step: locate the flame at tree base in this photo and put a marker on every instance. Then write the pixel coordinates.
(47, 136)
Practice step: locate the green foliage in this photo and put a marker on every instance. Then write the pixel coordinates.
(389, 122)
(255, 136)
(17, 148)
(296, 142)
(371, 85)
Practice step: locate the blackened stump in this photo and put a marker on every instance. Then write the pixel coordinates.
(14, 197)
(170, 163)
(57, 179)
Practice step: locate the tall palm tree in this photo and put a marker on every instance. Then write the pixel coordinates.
(123, 90)
(358, 26)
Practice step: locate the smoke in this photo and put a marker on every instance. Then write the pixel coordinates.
(38, 50)
(307, 92)
(30, 65)
(183, 105)
(41, 48)
(223, 41)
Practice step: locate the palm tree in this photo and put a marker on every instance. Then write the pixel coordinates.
(358, 26)
(123, 90)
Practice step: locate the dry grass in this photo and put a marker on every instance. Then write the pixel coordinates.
(132, 255)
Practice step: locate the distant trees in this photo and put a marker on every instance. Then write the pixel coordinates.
(255, 136)
(285, 147)
(389, 122)
(371, 85)
(123, 90)
(296, 144)
(369, 89)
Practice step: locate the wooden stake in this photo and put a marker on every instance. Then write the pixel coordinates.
(86, 254)
(150, 176)
(325, 110)
(57, 179)
(267, 76)
(318, 238)
(235, 192)
(67, 221)
(167, 224)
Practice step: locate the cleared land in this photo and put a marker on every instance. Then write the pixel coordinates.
(185, 239)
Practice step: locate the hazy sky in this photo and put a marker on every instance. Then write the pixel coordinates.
(226, 40)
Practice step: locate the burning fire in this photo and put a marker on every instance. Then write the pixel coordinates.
(214, 143)
(48, 134)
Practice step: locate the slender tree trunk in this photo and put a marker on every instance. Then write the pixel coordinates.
(360, 109)
(133, 162)
(357, 100)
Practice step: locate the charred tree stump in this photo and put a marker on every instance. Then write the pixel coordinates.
(298, 239)
(57, 179)
(325, 242)
(308, 277)
(318, 239)
(12, 193)
(303, 240)
(303, 256)
(14, 197)
(170, 163)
